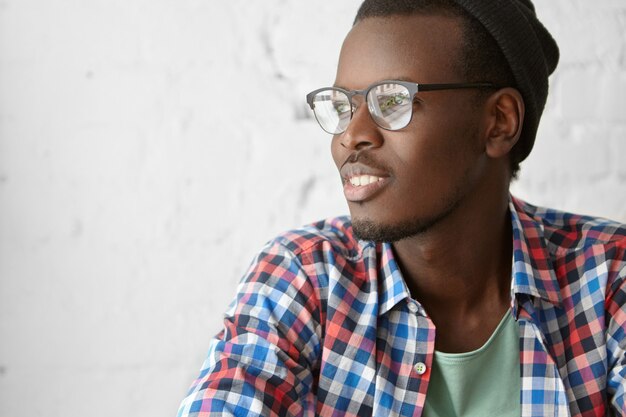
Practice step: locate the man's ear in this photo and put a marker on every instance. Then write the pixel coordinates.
(505, 118)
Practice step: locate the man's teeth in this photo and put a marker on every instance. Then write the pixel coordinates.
(364, 180)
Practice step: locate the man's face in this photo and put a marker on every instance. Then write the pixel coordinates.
(423, 172)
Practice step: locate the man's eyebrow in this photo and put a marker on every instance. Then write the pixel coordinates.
(405, 79)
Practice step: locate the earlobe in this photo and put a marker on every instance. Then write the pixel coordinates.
(506, 118)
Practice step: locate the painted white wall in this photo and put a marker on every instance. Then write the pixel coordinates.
(148, 148)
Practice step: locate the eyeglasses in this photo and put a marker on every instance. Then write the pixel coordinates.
(390, 103)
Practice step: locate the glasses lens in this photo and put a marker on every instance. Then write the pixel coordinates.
(390, 105)
(332, 110)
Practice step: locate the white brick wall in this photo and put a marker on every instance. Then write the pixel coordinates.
(579, 158)
(148, 149)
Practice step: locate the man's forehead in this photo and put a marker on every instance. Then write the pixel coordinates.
(418, 48)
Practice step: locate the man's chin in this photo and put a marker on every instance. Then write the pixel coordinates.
(366, 229)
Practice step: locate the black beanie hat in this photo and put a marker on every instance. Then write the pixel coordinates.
(529, 49)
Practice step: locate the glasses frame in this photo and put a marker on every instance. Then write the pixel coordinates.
(412, 87)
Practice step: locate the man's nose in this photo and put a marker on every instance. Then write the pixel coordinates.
(362, 132)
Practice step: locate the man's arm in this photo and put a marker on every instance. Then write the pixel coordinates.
(616, 343)
(263, 362)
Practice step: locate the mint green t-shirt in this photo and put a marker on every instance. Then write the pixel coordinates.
(484, 382)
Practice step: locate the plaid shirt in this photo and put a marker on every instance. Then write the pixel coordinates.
(323, 324)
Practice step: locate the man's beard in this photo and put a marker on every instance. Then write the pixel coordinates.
(376, 232)
(367, 229)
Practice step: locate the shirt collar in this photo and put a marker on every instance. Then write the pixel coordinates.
(392, 289)
(533, 270)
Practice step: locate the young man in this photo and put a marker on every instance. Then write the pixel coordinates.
(442, 295)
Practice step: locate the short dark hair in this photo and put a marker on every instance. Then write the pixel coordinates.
(482, 59)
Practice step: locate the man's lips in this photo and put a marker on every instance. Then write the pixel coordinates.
(361, 182)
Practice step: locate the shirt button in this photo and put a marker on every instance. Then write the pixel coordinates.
(420, 368)
(412, 307)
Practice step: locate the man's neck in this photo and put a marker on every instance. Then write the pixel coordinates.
(460, 270)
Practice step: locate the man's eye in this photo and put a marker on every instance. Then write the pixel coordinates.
(400, 99)
(342, 107)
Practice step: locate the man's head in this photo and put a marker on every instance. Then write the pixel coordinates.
(529, 48)
(456, 148)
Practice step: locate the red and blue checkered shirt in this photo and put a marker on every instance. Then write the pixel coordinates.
(323, 324)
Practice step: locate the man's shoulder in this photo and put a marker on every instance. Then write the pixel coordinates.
(328, 235)
(566, 231)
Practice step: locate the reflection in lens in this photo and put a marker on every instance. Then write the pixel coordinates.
(332, 110)
(390, 105)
